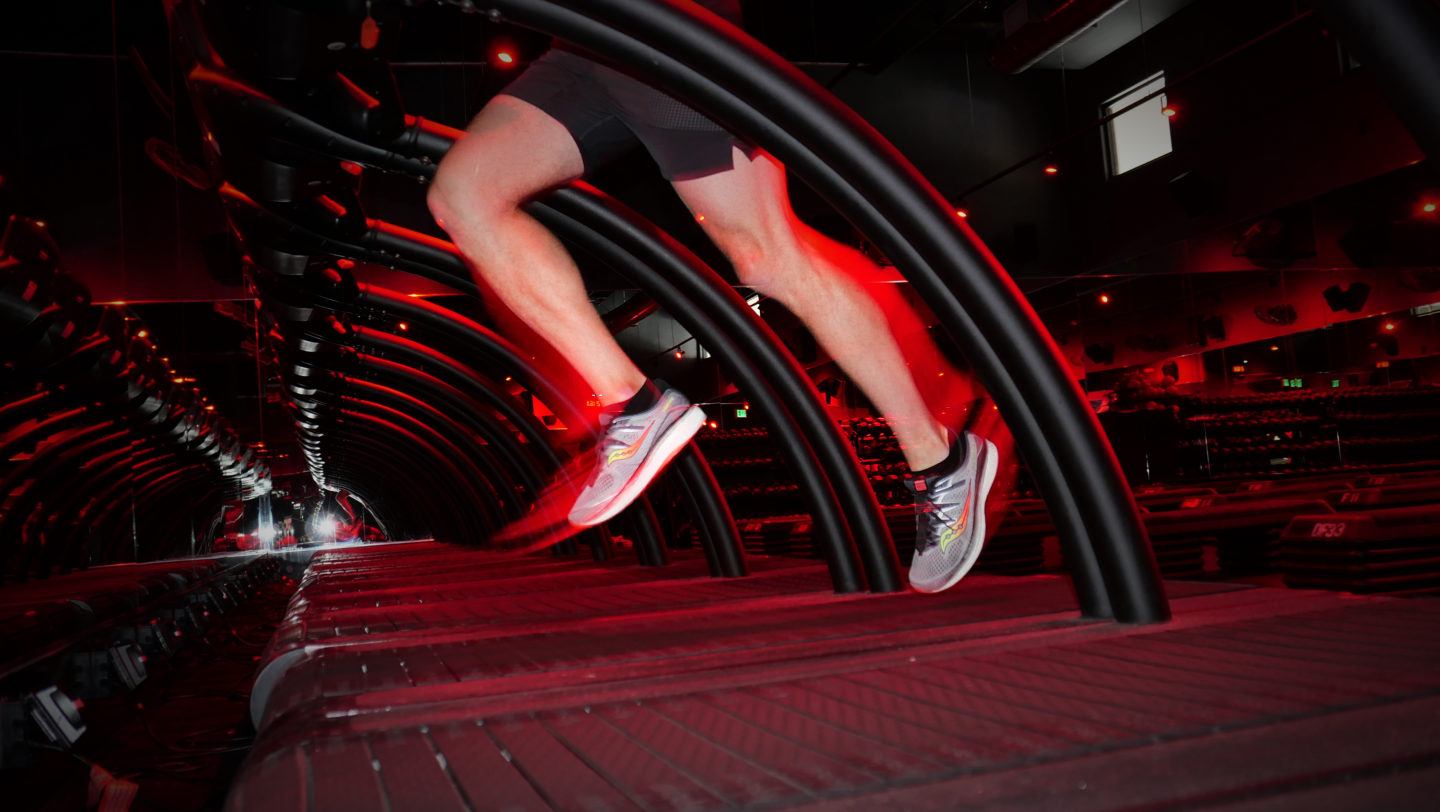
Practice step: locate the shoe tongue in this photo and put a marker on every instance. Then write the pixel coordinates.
(607, 416)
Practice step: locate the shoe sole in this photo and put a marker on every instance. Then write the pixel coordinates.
(989, 465)
(666, 447)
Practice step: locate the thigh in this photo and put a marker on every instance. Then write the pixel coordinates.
(749, 199)
(511, 151)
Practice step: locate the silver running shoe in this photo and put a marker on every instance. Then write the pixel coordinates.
(951, 518)
(632, 452)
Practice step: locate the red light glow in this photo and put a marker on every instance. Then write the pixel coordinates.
(1430, 207)
(1170, 111)
(962, 213)
(1052, 169)
(1104, 298)
(1389, 326)
(404, 325)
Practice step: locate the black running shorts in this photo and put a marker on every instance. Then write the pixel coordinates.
(605, 110)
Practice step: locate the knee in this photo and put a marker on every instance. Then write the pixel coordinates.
(445, 198)
(461, 197)
(439, 198)
(767, 261)
(448, 199)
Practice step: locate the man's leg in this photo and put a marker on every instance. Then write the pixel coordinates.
(511, 152)
(747, 213)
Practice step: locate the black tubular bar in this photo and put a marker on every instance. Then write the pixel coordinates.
(84, 523)
(71, 480)
(143, 493)
(479, 484)
(109, 467)
(472, 336)
(384, 449)
(378, 454)
(829, 520)
(22, 477)
(410, 492)
(649, 539)
(529, 467)
(52, 423)
(1400, 41)
(467, 475)
(495, 471)
(89, 480)
(726, 558)
(633, 311)
(385, 344)
(43, 468)
(667, 258)
(759, 96)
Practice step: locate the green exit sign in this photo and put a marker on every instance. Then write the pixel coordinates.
(1292, 383)
(742, 412)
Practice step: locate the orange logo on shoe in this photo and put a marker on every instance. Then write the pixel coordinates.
(629, 451)
(953, 532)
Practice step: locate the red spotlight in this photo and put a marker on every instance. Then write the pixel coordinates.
(679, 353)
(1389, 326)
(143, 334)
(1429, 207)
(1170, 111)
(1052, 169)
(1274, 347)
(699, 218)
(404, 325)
(714, 425)
(962, 213)
(1104, 298)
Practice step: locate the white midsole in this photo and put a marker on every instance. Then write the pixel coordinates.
(989, 465)
(666, 447)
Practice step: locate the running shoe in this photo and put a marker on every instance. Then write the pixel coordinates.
(633, 450)
(950, 521)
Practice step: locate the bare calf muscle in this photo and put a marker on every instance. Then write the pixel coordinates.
(512, 152)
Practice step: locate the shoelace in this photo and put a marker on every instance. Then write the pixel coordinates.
(614, 427)
(941, 516)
